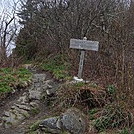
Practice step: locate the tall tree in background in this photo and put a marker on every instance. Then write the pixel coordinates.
(29, 36)
(50, 25)
(8, 29)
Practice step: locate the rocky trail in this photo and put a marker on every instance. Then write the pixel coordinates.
(23, 109)
(28, 108)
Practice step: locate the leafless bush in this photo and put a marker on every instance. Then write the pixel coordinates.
(48, 27)
(8, 30)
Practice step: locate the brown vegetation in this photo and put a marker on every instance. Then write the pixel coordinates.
(49, 26)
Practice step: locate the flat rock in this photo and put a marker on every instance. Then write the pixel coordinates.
(7, 114)
(35, 95)
(36, 85)
(24, 107)
(39, 77)
(18, 115)
(11, 119)
(44, 87)
(51, 88)
(21, 111)
(23, 99)
(50, 125)
(34, 104)
(50, 122)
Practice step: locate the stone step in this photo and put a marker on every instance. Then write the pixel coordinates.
(11, 119)
(23, 99)
(24, 107)
(21, 111)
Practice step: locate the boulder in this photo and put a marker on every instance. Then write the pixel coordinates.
(72, 121)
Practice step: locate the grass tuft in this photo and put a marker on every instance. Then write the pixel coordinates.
(58, 66)
(11, 79)
(113, 116)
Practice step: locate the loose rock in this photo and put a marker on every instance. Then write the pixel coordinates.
(50, 125)
(72, 121)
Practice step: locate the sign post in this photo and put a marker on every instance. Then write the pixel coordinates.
(83, 45)
(81, 62)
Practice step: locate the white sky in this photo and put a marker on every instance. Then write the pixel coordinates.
(6, 4)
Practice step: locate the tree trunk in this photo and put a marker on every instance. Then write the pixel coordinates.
(3, 56)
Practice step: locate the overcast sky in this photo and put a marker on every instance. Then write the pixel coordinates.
(6, 4)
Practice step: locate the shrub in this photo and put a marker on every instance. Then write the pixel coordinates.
(83, 94)
(113, 116)
(92, 113)
(124, 131)
(111, 89)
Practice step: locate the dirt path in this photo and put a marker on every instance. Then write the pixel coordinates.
(26, 107)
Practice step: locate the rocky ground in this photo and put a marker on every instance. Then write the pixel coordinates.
(29, 111)
(27, 106)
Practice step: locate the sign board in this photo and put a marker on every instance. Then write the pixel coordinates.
(84, 44)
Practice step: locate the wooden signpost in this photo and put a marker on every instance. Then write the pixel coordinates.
(83, 45)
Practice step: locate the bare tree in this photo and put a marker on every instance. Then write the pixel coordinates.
(8, 31)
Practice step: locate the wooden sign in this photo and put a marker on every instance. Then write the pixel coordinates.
(84, 44)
